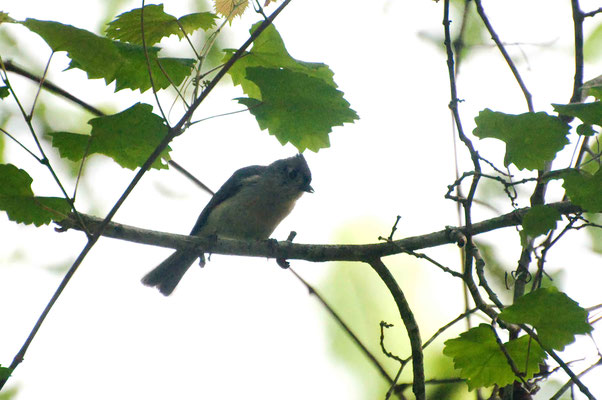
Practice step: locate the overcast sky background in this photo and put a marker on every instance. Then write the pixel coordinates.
(243, 327)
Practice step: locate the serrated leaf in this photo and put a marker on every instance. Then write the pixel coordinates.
(19, 202)
(589, 113)
(5, 18)
(269, 51)
(100, 57)
(157, 25)
(481, 362)
(532, 139)
(540, 219)
(231, 8)
(297, 108)
(128, 137)
(584, 189)
(555, 329)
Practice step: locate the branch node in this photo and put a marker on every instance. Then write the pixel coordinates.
(456, 235)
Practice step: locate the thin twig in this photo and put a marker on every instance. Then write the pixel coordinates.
(43, 159)
(148, 65)
(346, 328)
(410, 323)
(40, 85)
(14, 139)
(502, 49)
(51, 87)
(574, 378)
(570, 382)
(509, 359)
(480, 268)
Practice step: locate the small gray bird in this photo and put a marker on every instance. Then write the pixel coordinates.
(249, 205)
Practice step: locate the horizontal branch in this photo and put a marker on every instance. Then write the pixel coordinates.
(309, 252)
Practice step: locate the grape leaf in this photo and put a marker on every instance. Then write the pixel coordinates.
(19, 202)
(555, 329)
(589, 113)
(481, 362)
(269, 51)
(584, 189)
(231, 8)
(531, 139)
(297, 108)
(540, 220)
(157, 25)
(100, 57)
(128, 137)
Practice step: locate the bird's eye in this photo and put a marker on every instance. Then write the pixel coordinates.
(292, 174)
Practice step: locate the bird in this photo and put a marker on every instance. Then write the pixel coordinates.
(248, 206)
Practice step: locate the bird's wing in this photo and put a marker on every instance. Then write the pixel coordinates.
(228, 189)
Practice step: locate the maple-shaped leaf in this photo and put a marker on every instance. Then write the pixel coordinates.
(556, 317)
(128, 137)
(539, 220)
(157, 25)
(231, 8)
(269, 51)
(297, 108)
(584, 189)
(19, 202)
(482, 363)
(532, 139)
(99, 57)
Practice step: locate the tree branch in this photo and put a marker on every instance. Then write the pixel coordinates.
(309, 252)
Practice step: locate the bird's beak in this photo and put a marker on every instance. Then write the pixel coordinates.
(308, 189)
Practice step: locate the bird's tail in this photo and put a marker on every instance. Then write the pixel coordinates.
(167, 275)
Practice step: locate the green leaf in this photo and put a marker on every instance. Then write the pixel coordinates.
(584, 189)
(4, 373)
(540, 220)
(532, 139)
(4, 92)
(5, 18)
(194, 21)
(128, 137)
(100, 57)
(481, 362)
(269, 51)
(593, 87)
(157, 25)
(297, 108)
(555, 316)
(589, 113)
(585, 130)
(19, 202)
